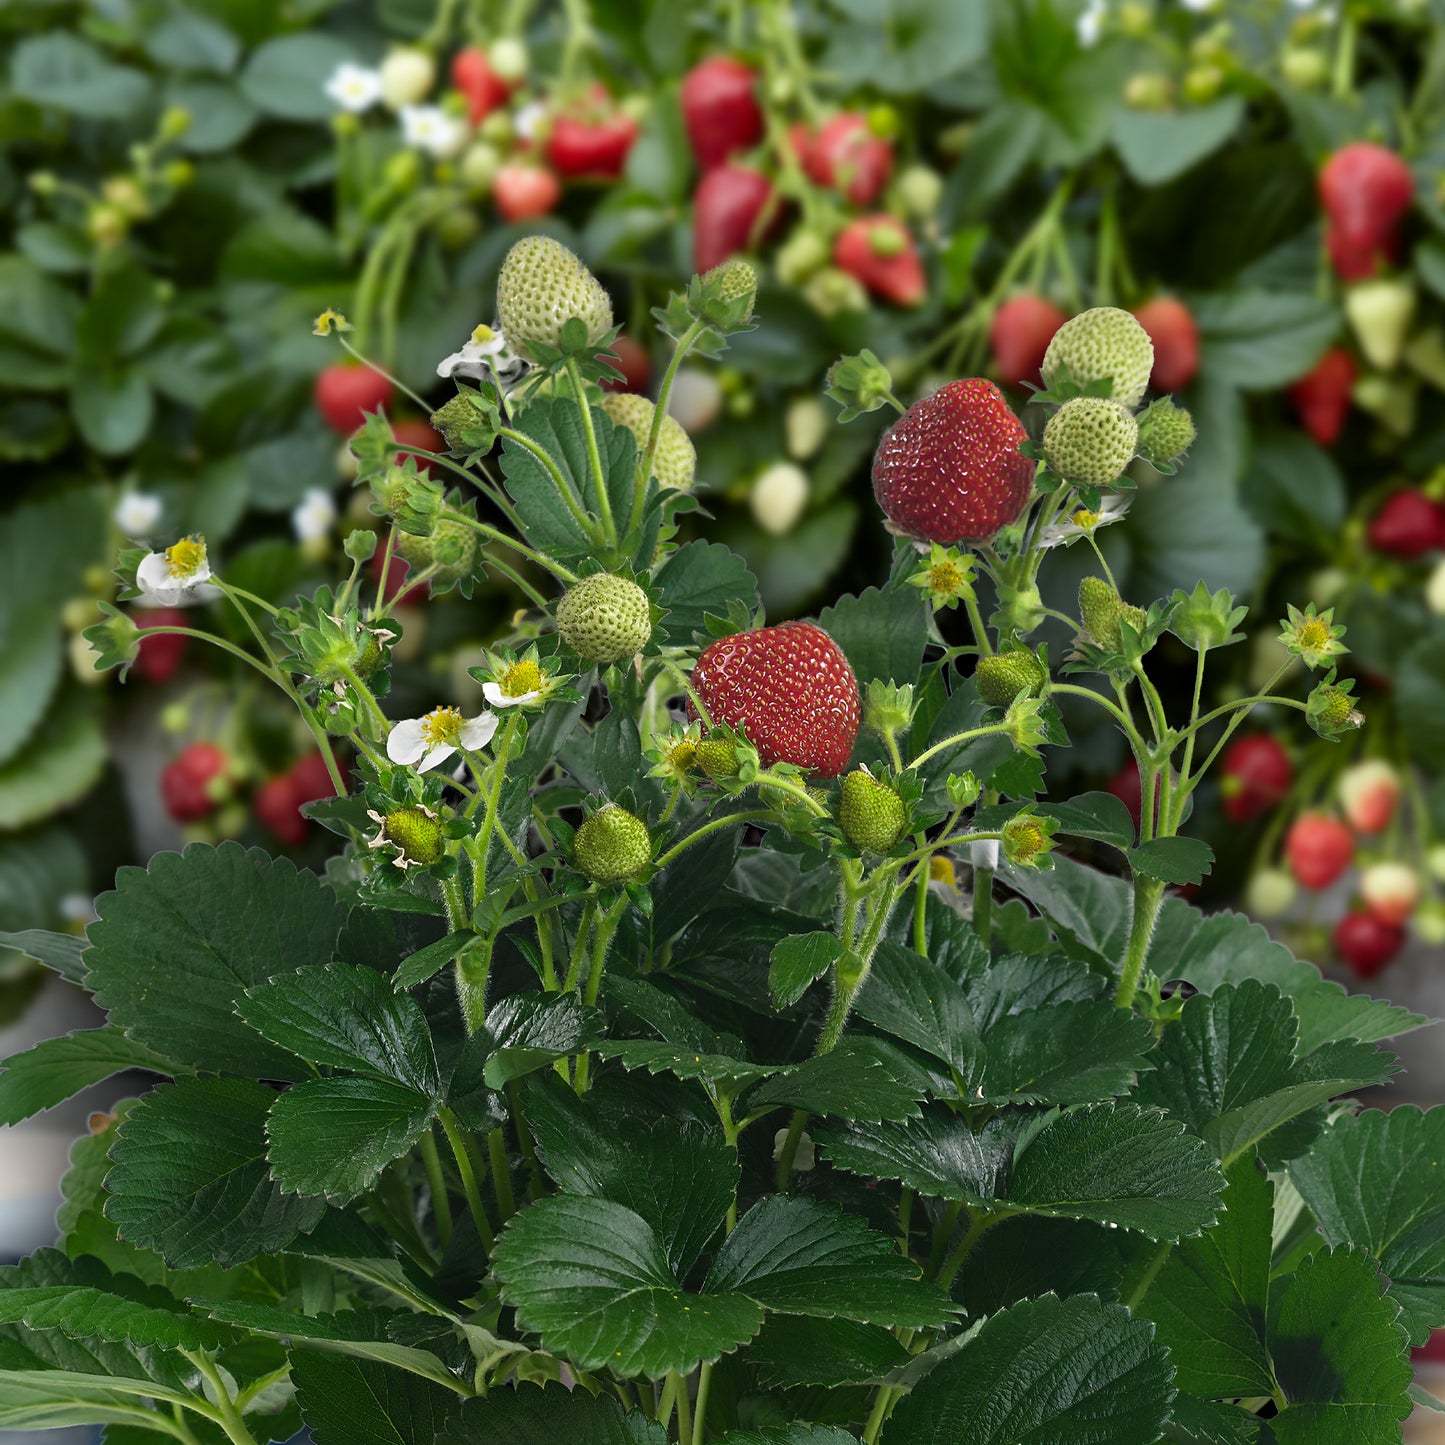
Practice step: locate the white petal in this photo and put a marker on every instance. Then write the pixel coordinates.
(438, 754)
(404, 742)
(153, 578)
(478, 731)
(137, 514)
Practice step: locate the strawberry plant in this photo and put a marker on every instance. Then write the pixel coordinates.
(716, 1037)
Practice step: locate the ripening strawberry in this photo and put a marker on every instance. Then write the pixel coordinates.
(1367, 943)
(1365, 190)
(1322, 396)
(524, 192)
(950, 470)
(484, 89)
(878, 250)
(1359, 263)
(631, 358)
(733, 208)
(345, 393)
(789, 689)
(846, 156)
(158, 657)
(1319, 849)
(1369, 793)
(720, 110)
(418, 440)
(1257, 774)
(277, 808)
(1407, 526)
(593, 140)
(1019, 334)
(1175, 334)
(193, 782)
(1391, 891)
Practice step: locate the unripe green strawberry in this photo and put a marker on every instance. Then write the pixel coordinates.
(451, 549)
(604, 618)
(717, 757)
(1166, 432)
(674, 464)
(1002, 677)
(1102, 609)
(416, 833)
(542, 285)
(1104, 342)
(612, 846)
(735, 278)
(870, 812)
(1090, 440)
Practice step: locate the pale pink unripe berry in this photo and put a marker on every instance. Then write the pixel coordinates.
(407, 76)
(1270, 893)
(1391, 891)
(1369, 793)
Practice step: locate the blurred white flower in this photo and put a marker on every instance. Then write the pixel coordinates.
(526, 120)
(425, 742)
(485, 355)
(178, 577)
(354, 87)
(1082, 523)
(314, 516)
(137, 513)
(430, 128)
(1090, 23)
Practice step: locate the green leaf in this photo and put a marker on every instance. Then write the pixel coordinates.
(1208, 1303)
(904, 46)
(1092, 815)
(796, 1350)
(59, 767)
(1339, 1353)
(526, 1415)
(113, 409)
(190, 1177)
(701, 577)
(58, 1069)
(57, 951)
(592, 1278)
(53, 1399)
(1374, 1180)
(1046, 1370)
(1230, 1070)
(1116, 1164)
(346, 1401)
(851, 1082)
(799, 1257)
(1294, 488)
(685, 1063)
(63, 71)
(1261, 340)
(286, 75)
(912, 998)
(179, 942)
(526, 1032)
(346, 1017)
(882, 634)
(333, 1137)
(1173, 860)
(1030, 1254)
(1156, 146)
(796, 961)
(425, 962)
(790, 1435)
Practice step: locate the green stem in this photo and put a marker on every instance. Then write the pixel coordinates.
(441, 1203)
(501, 1175)
(562, 573)
(704, 1384)
(1151, 1273)
(1148, 894)
(469, 1178)
(1069, 689)
(228, 1416)
(956, 740)
(698, 834)
(659, 415)
(594, 457)
(684, 1411)
(975, 620)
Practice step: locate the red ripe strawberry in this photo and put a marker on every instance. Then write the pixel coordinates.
(344, 393)
(1319, 849)
(485, 90)
(593, 139)
(418, 440)
(190, 779)
(1257, 775)
(789, 688)
(879, 251)
(733, 209)
(1175, 334)
(1367, 943)
(633, 361)
(1407, 526)
(525, 192)
(157, 658)
(949, 469)
(277, 807)
(1322, 398)
(720, 110)
(310, 779)
(1365, 190)
(1019, 334)
(1359, 263)
(846, 156)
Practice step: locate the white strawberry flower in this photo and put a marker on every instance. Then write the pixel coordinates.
(1090, 23)
(527, 118)
(354, 87)
(1084, 523)
(430, 128)
(178, 577)
(137, 514)
(314, 516)
(425, 742)
(484, 356)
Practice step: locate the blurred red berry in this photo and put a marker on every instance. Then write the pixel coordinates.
(1359, 263)
(277, 807)
(1367, 943)
(879, 251)
(1407, 526)
(524, 192)
(419, 440)
(720, 110)
(1256, 775)
(594, 142)
(1175, 334)
(1319, 849)
(633, 361)
(1365, 190)
(1126, 785)
(733, 208)
(157, 658)
(1322, 396)
(846, 156)
(345, 393)
(485, 90)
(310, 779)
(1019, 334)
(190, 780)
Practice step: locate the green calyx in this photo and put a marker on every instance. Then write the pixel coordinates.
(1028, 840)
(1331, 711)
(1004, 676)
(1090, 440)
(870, 812)
(1166, 432)
(1104, 343)
(604, 618)
(612, 846)
(417, 835)
(1102, 609)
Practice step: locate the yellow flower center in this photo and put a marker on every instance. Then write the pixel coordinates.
(442, 725)
(483, 334)
(1314, 635)
(682, 755)
(521, 678)
(186, 557)
(1086, 519)
(1026, 840)
(945, 577)
(940, 870)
